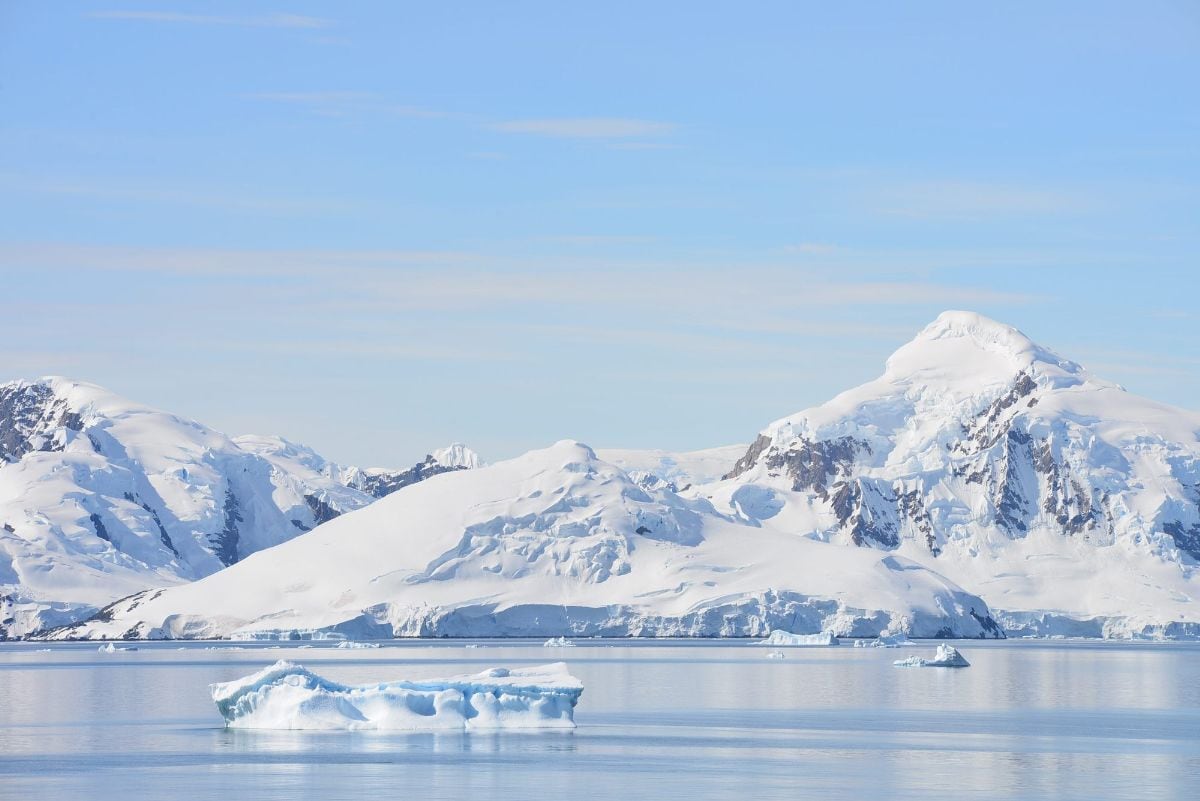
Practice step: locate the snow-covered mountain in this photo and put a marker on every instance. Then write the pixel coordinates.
(556, 541)
(101, 497)
(1067, 503)
(674, 471)
(981, 479)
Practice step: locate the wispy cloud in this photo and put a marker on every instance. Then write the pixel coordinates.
(137, 191)
(265, 21)
(643, 146)
(391, 281)
(970, 200)
(592, 240)
(809, 248)
(344, 103)
(586, 127)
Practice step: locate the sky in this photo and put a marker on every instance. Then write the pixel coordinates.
(379, 227)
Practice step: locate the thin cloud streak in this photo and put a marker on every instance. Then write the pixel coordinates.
(407, 280)
(295, 21)
(585, 127)
(122, 190)
(973, 200)
(344, 103)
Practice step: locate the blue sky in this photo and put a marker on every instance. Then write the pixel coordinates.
(379, 227)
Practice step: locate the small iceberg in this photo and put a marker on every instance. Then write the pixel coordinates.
(775, 654)
(946, 656)
(289, 696)
(885, 641)
(781, 637)
(110, 648)
(351, 644)
(558, 642)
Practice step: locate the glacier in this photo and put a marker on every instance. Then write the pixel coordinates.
(288, 696)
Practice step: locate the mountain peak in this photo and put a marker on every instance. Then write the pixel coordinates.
(457, 454)
(953, 323)
(970, 343)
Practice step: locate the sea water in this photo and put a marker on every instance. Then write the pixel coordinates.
(657, 720)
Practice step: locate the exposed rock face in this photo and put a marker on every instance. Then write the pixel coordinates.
(32, 418)
(381, 483)
(226, 541)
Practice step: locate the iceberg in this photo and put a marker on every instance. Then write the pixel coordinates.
(558, 642)
(289, 696)
(351, 644)
(775, 655)
(885, 641)
(781, 637)
(946, 656)
(112, 649)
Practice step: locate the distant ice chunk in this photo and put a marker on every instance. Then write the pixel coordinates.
(781, 637)
(110, 648)
(352, 644)
(558, 642)
(288, 696)
(946, 656)
(775, 655)
(885, 641)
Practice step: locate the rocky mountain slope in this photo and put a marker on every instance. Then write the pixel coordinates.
(1069, 504)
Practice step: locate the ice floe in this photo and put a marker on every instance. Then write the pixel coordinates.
(110, 648)
(558, 642)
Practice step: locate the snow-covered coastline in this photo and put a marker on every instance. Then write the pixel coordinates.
(983, 485)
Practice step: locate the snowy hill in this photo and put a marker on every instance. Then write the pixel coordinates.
(1067, 503)
(554, 542)
(676, 471)
(101, 497)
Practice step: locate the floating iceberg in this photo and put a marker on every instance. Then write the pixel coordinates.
(112, 649)
(288, 696)
(946, 656)
(558, 642)
(781, 637)
(352, 644)
(775, 654)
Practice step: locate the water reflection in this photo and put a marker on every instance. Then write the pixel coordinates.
(692, 720)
